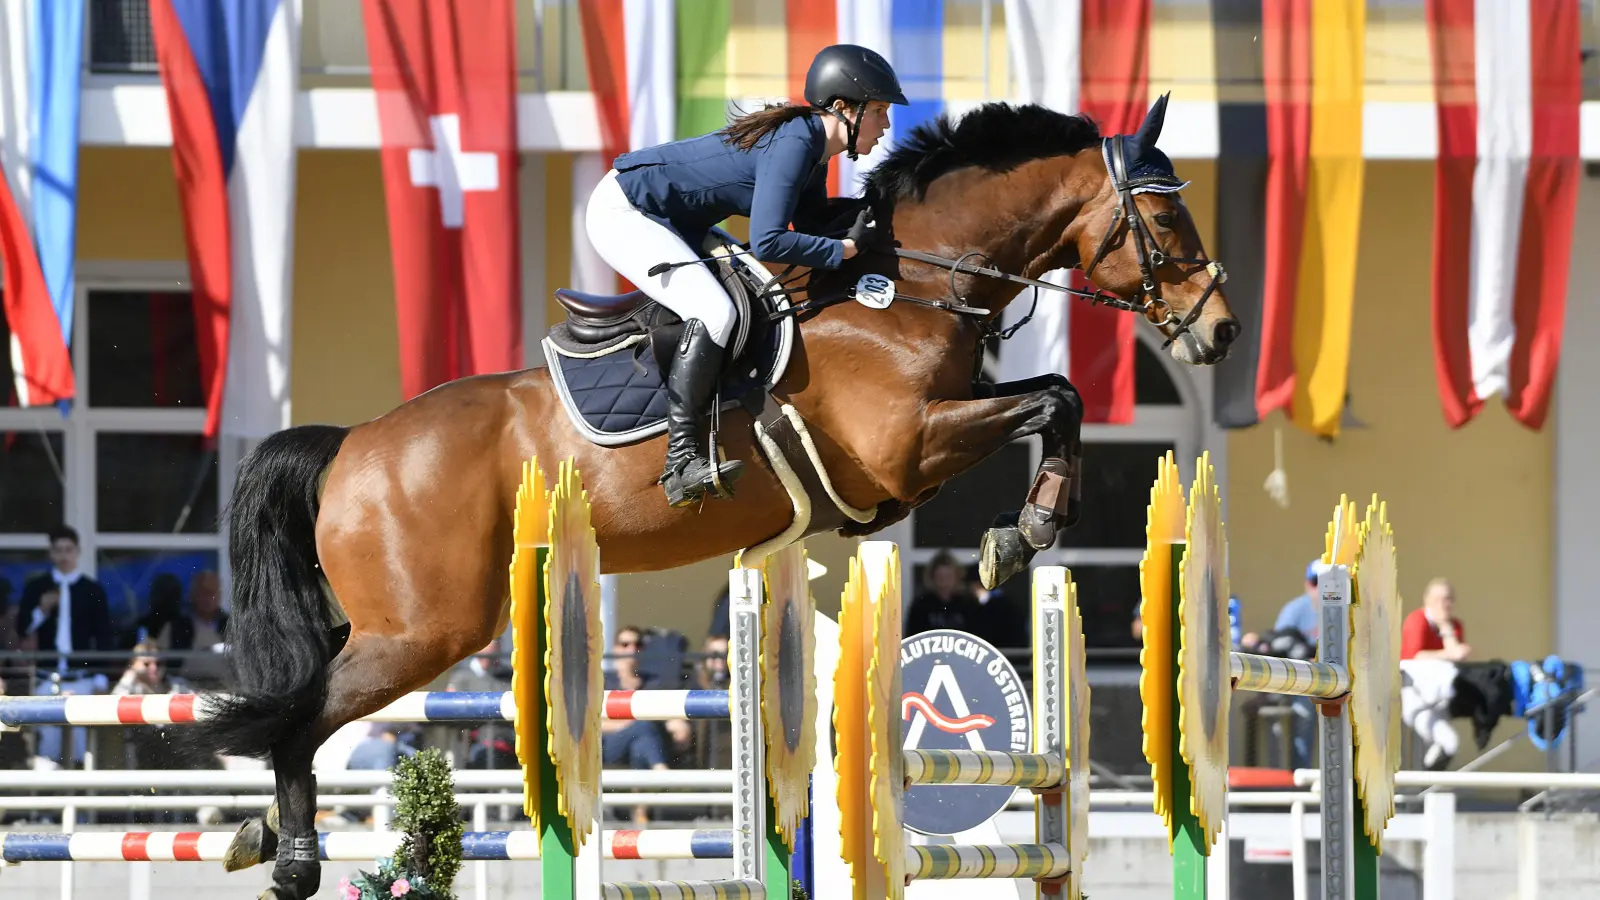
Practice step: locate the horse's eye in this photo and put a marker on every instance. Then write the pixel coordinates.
(1166, 219)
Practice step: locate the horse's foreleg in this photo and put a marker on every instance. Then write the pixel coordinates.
(959, 434)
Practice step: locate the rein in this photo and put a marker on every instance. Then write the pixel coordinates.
(1148, 301)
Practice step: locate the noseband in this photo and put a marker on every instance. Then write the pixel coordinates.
(1148, 301)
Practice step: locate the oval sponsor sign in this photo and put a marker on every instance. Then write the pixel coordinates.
(960, 693)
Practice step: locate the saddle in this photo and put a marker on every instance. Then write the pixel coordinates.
(610, 357)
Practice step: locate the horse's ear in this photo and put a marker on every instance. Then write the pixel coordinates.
(1150, 131)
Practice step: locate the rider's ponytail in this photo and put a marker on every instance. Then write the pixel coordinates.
(750, 128)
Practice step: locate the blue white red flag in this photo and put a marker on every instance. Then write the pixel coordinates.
(41, 53)
(231, 73)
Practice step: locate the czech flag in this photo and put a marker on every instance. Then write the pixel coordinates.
(231, 73)
(41, 54)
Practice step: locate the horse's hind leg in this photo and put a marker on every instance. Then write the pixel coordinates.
(372, 672)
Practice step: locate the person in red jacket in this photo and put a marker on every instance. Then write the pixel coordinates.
(1432, 632)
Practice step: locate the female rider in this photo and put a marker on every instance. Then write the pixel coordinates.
(657, 204)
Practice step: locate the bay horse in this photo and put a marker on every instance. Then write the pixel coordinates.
(369, 559)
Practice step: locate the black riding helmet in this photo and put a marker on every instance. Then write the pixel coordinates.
(853, 73)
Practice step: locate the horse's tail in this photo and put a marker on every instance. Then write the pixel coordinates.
(278, 635)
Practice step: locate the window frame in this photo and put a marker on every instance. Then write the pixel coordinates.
(83, 424)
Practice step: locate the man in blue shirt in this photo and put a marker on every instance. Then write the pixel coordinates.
(1304, 614)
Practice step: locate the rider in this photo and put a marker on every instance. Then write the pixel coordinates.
(771, 165)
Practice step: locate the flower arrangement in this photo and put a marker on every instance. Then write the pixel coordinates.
(425, 864)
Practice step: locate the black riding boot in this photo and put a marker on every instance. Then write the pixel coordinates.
(689, 473)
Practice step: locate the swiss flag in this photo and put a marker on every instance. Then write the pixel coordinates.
(445, 76)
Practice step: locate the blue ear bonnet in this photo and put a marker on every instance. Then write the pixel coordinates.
(1149, 169)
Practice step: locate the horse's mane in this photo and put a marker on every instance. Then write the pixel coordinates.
(994, 136)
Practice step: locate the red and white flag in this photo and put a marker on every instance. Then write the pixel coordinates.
(1508, 87)
(1088, 56)
(444, 72)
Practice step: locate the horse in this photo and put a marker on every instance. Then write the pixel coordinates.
(370, 559)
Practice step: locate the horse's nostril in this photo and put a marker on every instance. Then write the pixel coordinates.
(1225, 332)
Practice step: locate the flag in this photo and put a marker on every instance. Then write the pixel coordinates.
(1293, 206)
(1507, 85)
(444, 72)
(41, 52)
(1090, 57)
(230, 70)
(809, 27)
(1264, 133)
(1115, 92)
(628, 47)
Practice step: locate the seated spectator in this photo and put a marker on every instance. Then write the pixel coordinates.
(636, 744)
(1432, 632)
(944, 601)
(205, 629)
(1001, 619)
(492, 745)
(147, 675)
(713, 738)
(384, 745)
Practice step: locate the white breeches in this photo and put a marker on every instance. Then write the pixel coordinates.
(631, 242)
(1426, 687)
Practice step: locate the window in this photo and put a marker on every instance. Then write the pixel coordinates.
(126, 466)
(120, 38)
(1104, 548)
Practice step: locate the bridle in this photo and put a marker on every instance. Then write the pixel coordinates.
(1147, 302)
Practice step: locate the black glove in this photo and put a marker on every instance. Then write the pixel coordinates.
(865, 231)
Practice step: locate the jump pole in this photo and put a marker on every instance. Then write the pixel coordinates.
(557, 685)
(1188, 676)
(874, 770)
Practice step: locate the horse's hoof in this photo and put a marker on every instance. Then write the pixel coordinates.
(273, 822)
(1002, 555)
(251, 844)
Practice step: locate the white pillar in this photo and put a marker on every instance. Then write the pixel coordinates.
(589, 271)
(1576, 419)
(531, 221)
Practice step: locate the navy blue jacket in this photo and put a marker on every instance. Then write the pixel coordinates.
(693, 184)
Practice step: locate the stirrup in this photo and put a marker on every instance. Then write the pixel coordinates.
(696, 477)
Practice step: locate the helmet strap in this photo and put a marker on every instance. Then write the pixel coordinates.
(851, 129)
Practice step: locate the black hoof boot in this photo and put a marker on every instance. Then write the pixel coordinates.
(298, 874)
(1002, 554)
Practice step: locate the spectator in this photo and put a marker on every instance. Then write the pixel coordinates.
(164, 622)
(383, 747)
(638, 744)
(13, 673)
(67, 611)
(713, 737)
(1001, 620)
(1302, 614)
(1432, 632)
(205, 629)
(493, 744)
(146, 675)
(944, 602)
